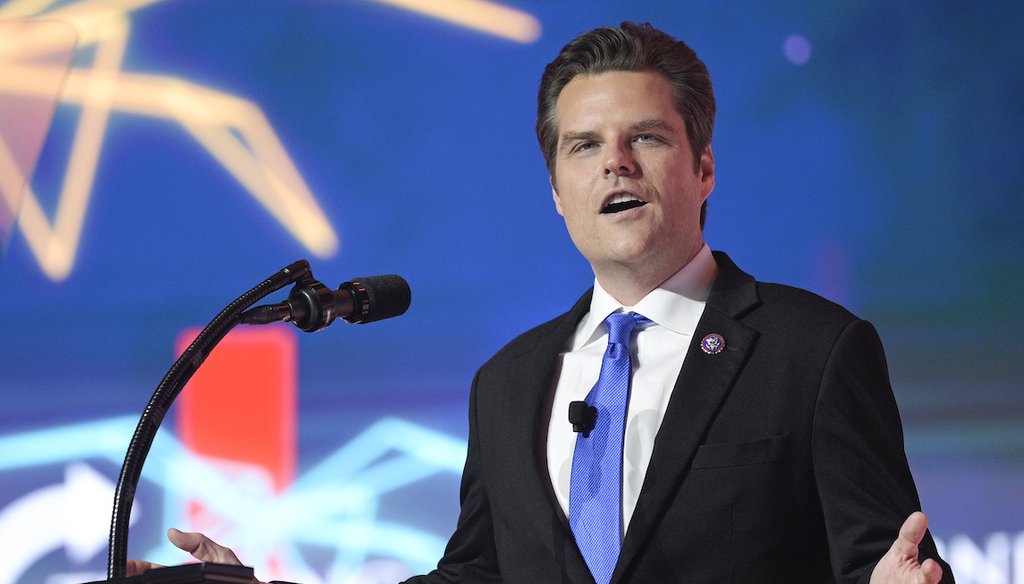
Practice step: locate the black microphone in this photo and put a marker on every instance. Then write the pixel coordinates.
(582, 417)
(311, 306)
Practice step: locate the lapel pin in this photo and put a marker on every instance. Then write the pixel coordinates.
(712, 344)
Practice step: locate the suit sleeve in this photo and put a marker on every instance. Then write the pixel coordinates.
(470, 556)
(864, 480)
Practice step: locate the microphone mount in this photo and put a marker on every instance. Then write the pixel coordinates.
(311, 305)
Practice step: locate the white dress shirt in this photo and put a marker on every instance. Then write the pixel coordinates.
(658, 349)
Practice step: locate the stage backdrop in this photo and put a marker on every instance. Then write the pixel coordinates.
(868, 151)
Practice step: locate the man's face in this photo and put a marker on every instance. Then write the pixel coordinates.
(625, 180)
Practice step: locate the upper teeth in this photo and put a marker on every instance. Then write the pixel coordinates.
(622, 198)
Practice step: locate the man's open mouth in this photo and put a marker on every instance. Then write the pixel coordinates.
(622, 202)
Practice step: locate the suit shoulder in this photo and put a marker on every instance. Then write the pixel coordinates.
(528, 340)
(544, 339)
(741, 296)
(797, 303)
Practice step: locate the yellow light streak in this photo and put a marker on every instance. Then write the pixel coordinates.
(26, 119)
(489, 17)
(12, 177)
(233, 130)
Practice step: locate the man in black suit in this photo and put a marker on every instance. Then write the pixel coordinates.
(761, 440)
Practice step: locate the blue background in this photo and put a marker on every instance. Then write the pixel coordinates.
(884, 173)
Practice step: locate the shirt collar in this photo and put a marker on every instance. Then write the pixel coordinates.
(676, 304)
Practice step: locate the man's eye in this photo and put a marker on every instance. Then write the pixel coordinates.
(584, 146)
(645, 138)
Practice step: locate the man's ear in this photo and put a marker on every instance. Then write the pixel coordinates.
(706, 170)
(555, 197)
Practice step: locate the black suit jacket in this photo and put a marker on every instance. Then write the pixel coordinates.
(779, 459)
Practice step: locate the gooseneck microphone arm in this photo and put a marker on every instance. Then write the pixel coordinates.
(311, 306)
(164, 396)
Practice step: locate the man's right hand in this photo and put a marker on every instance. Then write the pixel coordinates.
(201, 547)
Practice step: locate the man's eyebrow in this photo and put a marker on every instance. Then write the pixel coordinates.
(653, 124)
(577, 136)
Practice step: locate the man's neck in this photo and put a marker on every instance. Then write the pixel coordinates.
(628, 284)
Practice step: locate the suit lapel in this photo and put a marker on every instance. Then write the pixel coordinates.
(702, 385)
(530, 395)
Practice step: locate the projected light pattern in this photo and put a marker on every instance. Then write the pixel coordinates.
(333, 506)
(24, 122)
(232, 130)
(487, 17)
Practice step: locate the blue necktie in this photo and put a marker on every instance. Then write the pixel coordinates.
(595, 488)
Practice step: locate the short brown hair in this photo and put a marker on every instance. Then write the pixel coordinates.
(630, 47)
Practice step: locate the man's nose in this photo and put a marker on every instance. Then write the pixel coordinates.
(620, 161)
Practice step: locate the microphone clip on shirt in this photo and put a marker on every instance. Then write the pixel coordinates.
(582, 416)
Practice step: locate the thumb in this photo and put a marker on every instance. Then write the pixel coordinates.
(911, 534)
(202, 548)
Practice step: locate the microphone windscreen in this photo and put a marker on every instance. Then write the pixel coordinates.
(377, 297)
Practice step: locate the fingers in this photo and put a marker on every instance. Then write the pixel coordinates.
(137, 567)
(906, 550)
(900, 564)
(202, 548)
(931, 572)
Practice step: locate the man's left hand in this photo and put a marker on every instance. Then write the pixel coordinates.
(899, 565)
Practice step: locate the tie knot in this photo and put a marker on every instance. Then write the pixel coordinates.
(620, 326)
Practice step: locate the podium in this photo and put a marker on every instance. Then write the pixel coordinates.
(204, 573)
